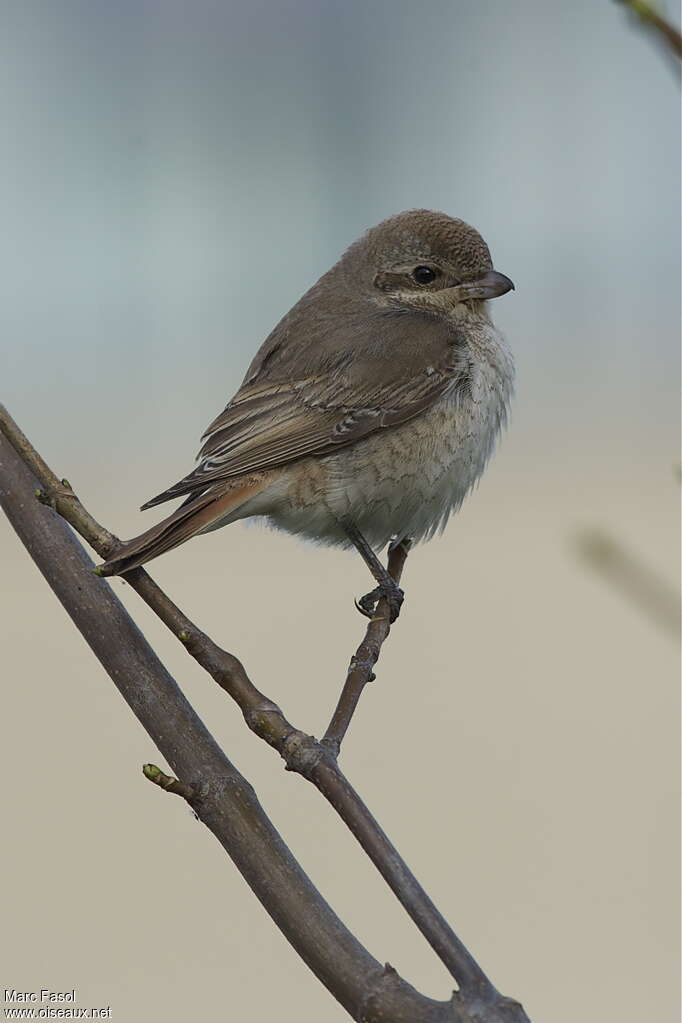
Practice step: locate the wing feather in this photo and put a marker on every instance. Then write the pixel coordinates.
(271, 422)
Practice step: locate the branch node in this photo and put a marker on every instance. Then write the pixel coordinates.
(51, 494)
(301, 753)
(155, 775)
(259, 720)
(485, 1004)
(331, 746)
(385, 978)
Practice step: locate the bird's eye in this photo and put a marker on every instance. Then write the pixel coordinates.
(424, 274)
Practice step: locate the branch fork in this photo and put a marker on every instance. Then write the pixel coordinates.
(223, 799)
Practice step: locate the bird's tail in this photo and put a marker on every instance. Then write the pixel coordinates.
(195, 516)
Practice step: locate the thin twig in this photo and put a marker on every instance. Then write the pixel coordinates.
(637, 581)
(302, 753)
(361, 668)
(653, 19)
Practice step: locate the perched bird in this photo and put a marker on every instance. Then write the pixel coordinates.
(369, 411)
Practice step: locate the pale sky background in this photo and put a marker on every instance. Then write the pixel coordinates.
(173, 177)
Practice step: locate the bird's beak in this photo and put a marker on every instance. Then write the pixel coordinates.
(491, 285)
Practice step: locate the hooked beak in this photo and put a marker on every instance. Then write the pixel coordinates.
(491, 285)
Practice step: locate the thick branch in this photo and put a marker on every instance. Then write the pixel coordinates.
(301, 752)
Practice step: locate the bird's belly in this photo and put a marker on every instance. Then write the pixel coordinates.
(401, 482)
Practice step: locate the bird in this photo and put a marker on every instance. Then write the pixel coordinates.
(368, 413)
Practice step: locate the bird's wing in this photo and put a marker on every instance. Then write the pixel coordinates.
(271, 422)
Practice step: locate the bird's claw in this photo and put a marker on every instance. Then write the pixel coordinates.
(392, 594)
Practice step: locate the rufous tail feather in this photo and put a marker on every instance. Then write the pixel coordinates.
(185, 522)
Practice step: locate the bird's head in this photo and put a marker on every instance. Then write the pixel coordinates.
(426, 261)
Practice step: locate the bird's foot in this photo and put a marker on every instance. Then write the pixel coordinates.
(390, 591)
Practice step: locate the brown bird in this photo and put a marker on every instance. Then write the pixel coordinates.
(370, 410)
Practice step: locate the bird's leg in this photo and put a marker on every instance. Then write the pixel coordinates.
(387, 587)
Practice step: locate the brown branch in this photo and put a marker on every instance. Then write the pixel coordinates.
(361, 668)
(301, 752)
(653, 19)
(224, 801)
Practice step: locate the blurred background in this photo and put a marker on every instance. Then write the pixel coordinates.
(174, 177)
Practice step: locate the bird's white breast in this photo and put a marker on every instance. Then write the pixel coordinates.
(405, 481)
